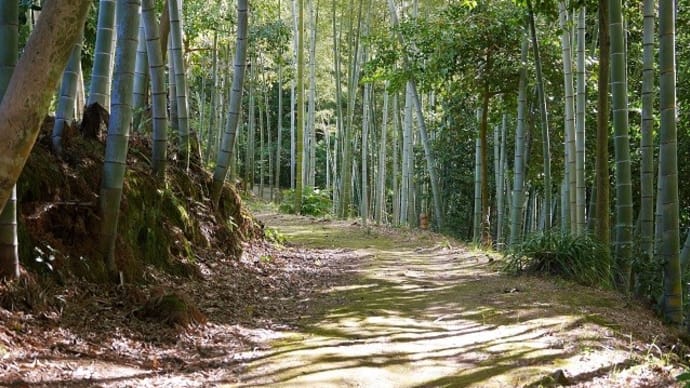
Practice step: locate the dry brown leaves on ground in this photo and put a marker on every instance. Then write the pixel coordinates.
(96, 335)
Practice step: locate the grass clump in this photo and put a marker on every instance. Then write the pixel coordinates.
(578, 258)
(315, 202)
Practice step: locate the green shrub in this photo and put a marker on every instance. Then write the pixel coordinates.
(577, 258)
(315, 202)
(684, 379)
(274, 236)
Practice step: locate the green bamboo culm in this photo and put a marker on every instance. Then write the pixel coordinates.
(569, 219)
(99, 88)
(117, 142)
(544, 120)
(68, 96)
(299, 138)
(519, 165)
(180, 80)
(159, 102)
(141, 78)
(623, 238)
(668, 165)
(226, 151)
(580, 108)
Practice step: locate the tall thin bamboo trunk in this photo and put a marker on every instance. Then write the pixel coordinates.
(668, 165)
(570, 181)
(519, 164)
(406, 159)
(476, 220)
(159, 103)
(299, 131)
(279, 116)
(396, 160)
(619, 103)
(226, 151)
(424, 137)
(117, 141)
(500, 185)
(213, 114)
(544, 121)
(364, 198)
(381, 173)
(68, 95)
(182, 101)
(602, 224)
(581, 102)
(311, 117)
(646, 218)
(140, 79)
(101, 73)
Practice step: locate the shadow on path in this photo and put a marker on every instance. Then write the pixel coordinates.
(421, 313)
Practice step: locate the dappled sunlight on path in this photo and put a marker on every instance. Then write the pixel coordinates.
(420, 312)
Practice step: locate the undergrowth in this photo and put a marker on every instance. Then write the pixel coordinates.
(577, 258)
(315, 202)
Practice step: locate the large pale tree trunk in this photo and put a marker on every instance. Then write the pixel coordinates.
(31, 89)
(9, 39)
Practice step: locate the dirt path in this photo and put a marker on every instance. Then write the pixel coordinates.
(347, 306)
(420, 311)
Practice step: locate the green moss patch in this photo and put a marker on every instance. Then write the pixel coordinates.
(163, 224)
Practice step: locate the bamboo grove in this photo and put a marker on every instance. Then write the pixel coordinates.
(489, 121)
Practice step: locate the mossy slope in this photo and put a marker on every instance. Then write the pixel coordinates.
(162, 224)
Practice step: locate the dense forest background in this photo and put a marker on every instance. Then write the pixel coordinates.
(518, 125)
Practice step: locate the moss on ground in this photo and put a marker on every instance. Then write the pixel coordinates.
(162, 224)
(424, 311)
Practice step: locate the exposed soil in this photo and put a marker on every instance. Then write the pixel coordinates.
(107, 336)
(424, 311)
(345, 306)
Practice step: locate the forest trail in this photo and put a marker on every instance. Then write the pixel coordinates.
(340, 305)
(421, 311)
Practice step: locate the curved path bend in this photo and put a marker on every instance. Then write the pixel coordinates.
(421, 311)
